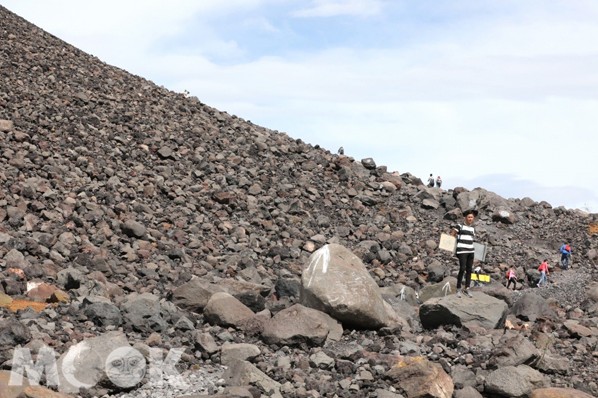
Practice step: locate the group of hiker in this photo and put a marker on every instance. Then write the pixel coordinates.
(431, 181)
(465, 252)
(565, 251)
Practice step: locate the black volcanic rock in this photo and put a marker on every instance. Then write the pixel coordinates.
(115, 187)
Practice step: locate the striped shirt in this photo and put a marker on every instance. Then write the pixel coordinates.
(465, 236)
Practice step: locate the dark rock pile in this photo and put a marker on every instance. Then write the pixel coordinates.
(135, 218)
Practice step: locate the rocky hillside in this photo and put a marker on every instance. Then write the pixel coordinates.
(131, 214)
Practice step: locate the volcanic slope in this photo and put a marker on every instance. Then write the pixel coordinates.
(132, 188)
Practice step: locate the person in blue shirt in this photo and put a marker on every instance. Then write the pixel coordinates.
(565, 255)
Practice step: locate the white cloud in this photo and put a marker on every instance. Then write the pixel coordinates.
(333, 8)
(261, 24)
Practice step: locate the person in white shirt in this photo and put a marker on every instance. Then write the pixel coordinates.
(431, 181)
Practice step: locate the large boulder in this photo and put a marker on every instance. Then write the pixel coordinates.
(253, 295)
(400, 292)
(467, 392)
(550, 363)
(436, 271)
(481, 310)
(225, 310)
(419, 377)
(577, 330)
(240, 351)
(298, 325)
(530, 307)
(514, 349)
(243, 373)
(143, 312)
(8, 388)
(514, 381)
(441, 289)
(101, 311)
(13, 333)
(504, 215)
(336, 282)
(195, 294)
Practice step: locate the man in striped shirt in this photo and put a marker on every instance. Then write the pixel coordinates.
(465, 234)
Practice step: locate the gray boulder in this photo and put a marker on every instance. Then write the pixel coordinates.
(194, 295)
(243, 352)
(400, 292)
(101, 311)
(143, 312)
(514, 349)
(481, 310)
(225, 310)
(253, 295)
(436, 271)
(336, 282)
(243, 373)
(444, 288)
(467, 392)
(298, 324)
(13, 333)
(530, 307)
(514, 381)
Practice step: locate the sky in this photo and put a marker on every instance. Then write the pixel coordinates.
(498, 94)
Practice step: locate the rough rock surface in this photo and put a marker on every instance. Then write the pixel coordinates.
(337, 282)
(452, 310)
(133, 205)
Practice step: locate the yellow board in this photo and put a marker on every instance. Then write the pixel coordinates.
(480, 278)
(593, 228)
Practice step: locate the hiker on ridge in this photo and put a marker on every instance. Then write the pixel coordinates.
(438, 182)
(431, 181)
(465, 234)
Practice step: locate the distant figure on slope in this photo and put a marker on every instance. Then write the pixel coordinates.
(431, 181)
(543, 268)
(341, 151)
(438, 182)
(465, 234)
(511, 278)
(565, 255)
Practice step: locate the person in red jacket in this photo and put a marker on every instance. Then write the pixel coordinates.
(543, 268)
